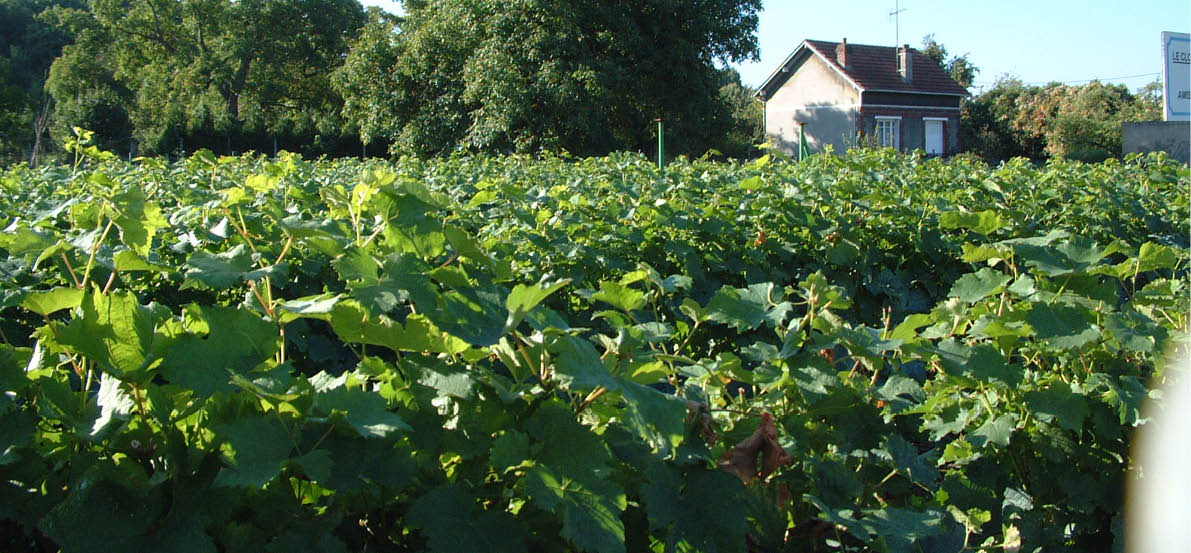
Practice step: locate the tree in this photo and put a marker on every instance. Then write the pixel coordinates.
(218, 73)
(748, 116)
(988, 124)
(28, 45)
(14, 112)
(1079, 121)
(1147, 103)
(959, 67)
(84, 87)
(1012, 119)
(366, 72)
(525, 75)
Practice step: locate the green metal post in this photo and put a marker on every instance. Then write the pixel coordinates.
(661, 145)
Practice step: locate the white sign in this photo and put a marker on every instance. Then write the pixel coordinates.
(1176, 76)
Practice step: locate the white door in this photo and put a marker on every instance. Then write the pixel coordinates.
(934, 137)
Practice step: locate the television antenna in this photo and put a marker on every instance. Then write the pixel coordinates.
(897, 31)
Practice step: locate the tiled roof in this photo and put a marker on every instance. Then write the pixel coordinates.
(875, 68)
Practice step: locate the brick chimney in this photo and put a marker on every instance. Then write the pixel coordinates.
(904, 67)
(841, 53)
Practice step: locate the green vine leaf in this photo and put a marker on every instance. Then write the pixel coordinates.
(1063, 327)
(451, 521)
(996, 431)
(747, 308)
(974, 287)
(1060, 403)
(244, 340)
(364, 412)
(51, 301)
(255, 450)
(118, 333)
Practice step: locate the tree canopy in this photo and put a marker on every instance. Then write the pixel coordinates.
(28, 45)
(214, 72)
(1013, 119)
(525, 75)
(960, 68)
(329, 77)
(1082, 121)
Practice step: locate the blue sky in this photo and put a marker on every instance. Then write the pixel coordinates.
(1039, 41)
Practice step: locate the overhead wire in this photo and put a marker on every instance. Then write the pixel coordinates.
(1077, 81)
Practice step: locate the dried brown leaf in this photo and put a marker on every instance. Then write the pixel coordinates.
(700, 414)
(742, 459)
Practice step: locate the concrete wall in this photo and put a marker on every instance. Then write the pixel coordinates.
(818, 97)
(1172, 137)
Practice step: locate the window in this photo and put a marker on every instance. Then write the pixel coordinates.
(887, 132)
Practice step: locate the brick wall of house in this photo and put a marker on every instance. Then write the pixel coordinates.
(911, 127)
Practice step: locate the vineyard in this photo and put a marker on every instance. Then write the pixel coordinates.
(878, 352)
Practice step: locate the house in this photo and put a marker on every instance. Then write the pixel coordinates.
(844, 94)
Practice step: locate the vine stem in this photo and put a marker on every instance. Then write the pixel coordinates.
(449, 261)
(243, 230)
(70, 269)
(320, 438)
(266, 301)
(86, 388)
(288, 432)
(256, 292)
(594, 395)
(1062, 289)
(95, 250)
(855, 367)
(355, 217)
(107, 287)
(289, 242)
(733, 411)
(136, 396)
(528, 361)
(689, 335)
(268, 281)
(73, 361)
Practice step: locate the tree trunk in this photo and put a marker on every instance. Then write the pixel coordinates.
(40, 124)
(231, 94)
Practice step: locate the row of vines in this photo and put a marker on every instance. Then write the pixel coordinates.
(877, 352)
